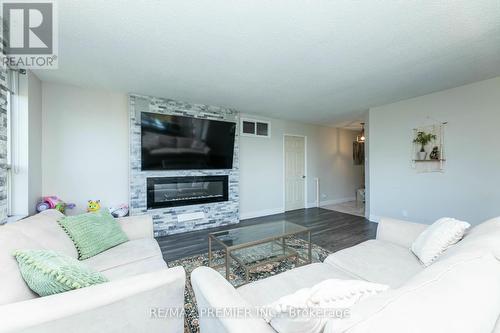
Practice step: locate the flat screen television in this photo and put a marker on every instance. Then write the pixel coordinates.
(184, 143)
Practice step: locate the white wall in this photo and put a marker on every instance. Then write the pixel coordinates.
(85, 145)
(469, 188)
(329, 157)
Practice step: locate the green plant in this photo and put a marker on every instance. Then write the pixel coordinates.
(423, 139)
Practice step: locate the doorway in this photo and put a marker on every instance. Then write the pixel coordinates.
(294, 171)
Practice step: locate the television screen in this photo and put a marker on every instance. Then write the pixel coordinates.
(181, 143)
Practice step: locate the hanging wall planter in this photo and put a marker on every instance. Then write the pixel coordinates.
(428, 148)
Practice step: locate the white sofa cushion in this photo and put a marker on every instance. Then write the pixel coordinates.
(128, 259)
(13, 288)
(453, 295)
(485, 236)
(399, 232)
(330, 295)
(46, 231)
(135, 268)
(497, 326)
(437, 238)
(125, 253)
(268, 290)
(377, 261)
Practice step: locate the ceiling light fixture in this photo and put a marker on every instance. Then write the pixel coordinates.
(361, 138)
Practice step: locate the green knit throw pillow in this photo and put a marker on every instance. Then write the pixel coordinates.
(47, 272)
(93, 233)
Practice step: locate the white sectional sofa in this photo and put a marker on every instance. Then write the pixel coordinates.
(458, 293)
(140, 282)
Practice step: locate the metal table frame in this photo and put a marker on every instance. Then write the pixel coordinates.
(279, 240)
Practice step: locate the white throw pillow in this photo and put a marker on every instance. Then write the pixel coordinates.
(309, 309)
(437, 238)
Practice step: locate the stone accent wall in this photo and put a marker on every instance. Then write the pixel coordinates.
(3, 139)
(165, 219)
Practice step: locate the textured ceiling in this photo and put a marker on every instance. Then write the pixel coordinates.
(314, 61)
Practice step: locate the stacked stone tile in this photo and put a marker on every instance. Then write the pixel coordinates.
(165, 219)
(3, 137)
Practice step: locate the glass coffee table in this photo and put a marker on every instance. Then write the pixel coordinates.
(258, 245)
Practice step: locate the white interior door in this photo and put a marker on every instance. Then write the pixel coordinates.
(295, 173)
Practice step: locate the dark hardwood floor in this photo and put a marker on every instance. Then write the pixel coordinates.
(331, 230)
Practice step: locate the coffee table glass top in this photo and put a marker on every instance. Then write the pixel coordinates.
(266, 251)
(257, 233)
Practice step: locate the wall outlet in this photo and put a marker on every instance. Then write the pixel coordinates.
(323, 196)
(405, 213)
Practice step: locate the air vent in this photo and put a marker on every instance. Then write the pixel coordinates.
(251, 127)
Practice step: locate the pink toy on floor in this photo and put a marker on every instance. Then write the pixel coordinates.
(53, 202)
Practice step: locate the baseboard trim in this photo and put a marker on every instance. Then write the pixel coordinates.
(336, 201)
(260, 213)
(311, 205)
(374, 218)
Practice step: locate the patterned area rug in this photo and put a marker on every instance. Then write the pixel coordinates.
(237, 276)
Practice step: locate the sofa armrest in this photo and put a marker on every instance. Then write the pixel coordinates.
(399, 232)
(137, 227)
(214, 293)
(127, 305)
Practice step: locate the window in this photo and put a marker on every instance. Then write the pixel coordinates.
(9, 153)
(250, 127)
(16, 196)
(10, 107)
(5, 105)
